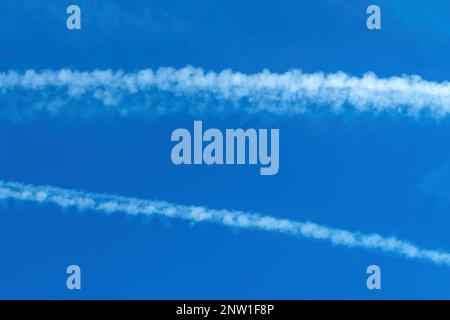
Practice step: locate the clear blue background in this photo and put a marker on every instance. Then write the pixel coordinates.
(388, 174)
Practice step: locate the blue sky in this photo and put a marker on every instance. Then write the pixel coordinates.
(386, 173)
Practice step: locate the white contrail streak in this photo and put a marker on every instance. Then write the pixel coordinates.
(192, 89)
(106, 203)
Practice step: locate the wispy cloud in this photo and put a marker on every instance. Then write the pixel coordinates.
(107, 203)
(169, 90)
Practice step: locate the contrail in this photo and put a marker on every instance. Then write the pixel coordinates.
(107, 203)
(168, 90)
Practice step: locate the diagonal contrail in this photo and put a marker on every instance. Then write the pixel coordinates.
(168, 90)
(107, 203)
